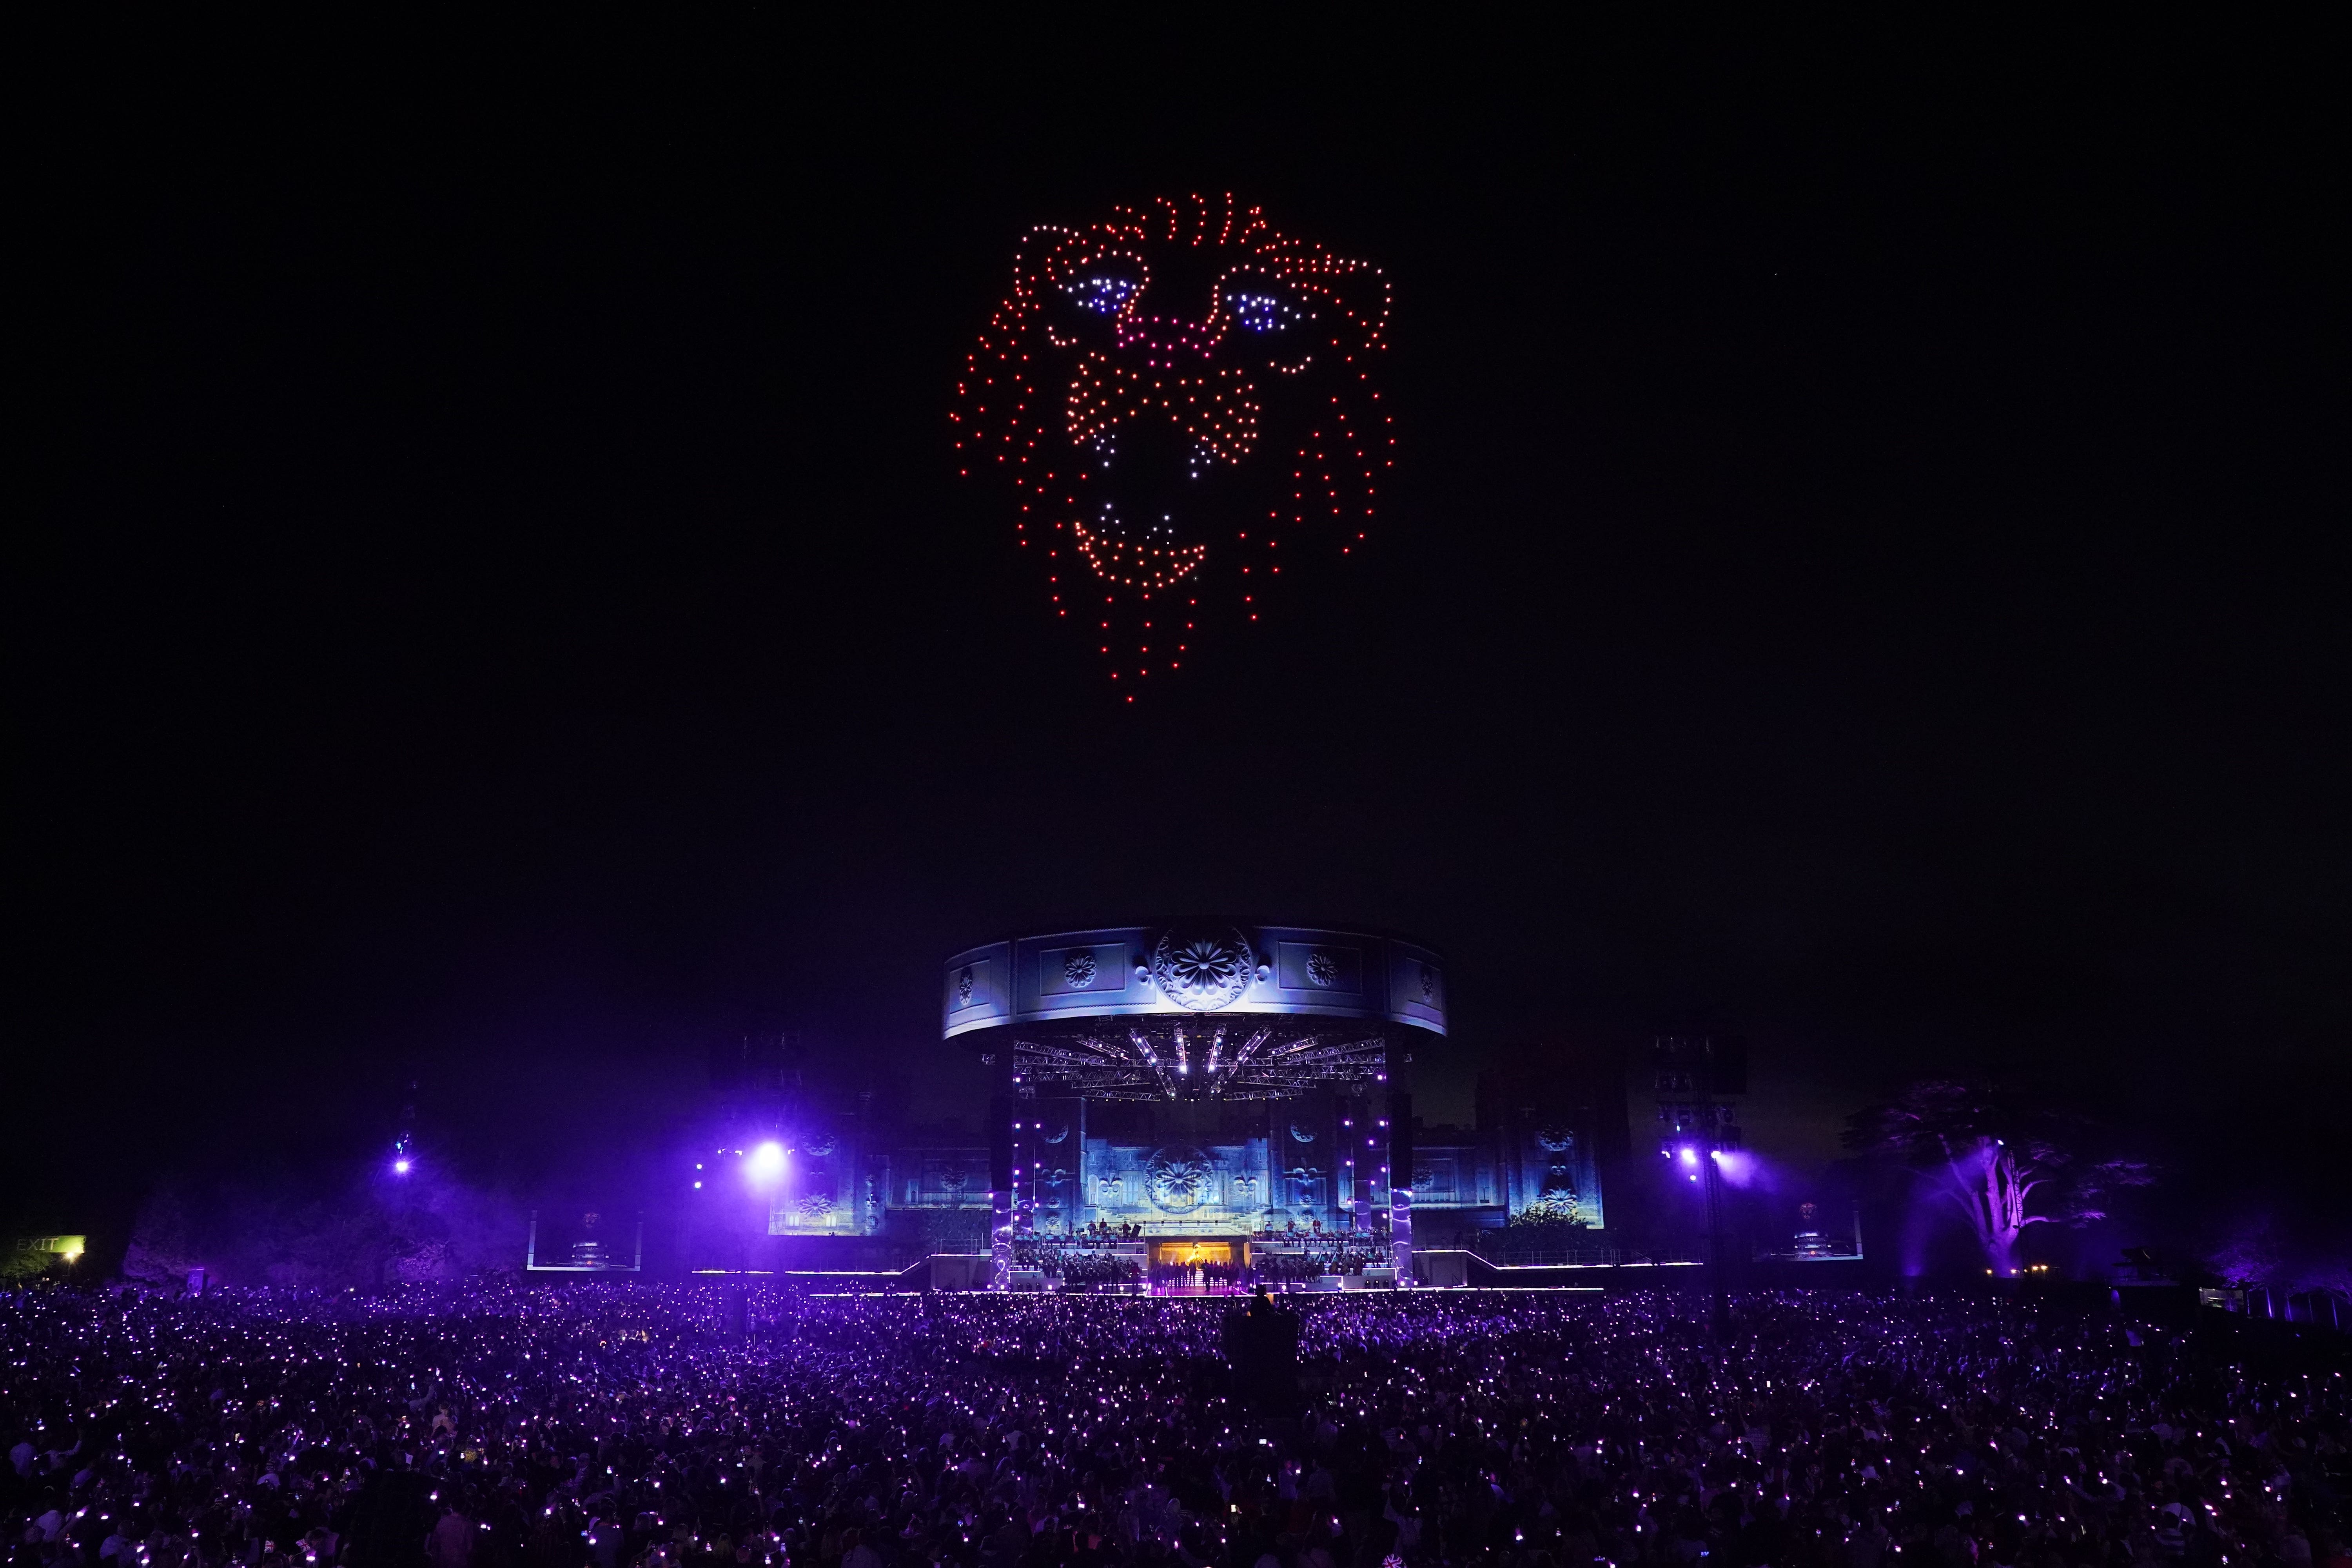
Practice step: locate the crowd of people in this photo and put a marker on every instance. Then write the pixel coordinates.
(1093, 1270)
(1204, 1275)
(643, 1426)
(1291, 1230)
(1089, 1264)
(1318, 1255)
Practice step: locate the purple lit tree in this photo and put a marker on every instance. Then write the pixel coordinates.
(1993, 1157)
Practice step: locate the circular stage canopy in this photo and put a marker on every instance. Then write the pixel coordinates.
(1197, 1009)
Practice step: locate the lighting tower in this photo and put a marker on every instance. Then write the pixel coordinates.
(1699, 1081)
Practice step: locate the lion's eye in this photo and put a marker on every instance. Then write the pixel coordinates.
(1103, 294)
(1260, 313)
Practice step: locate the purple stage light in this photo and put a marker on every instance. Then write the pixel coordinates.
(767, 1165)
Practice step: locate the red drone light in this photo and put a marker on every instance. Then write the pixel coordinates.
(1172, 370)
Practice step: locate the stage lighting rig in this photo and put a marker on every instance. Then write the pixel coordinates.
(1697, 1081)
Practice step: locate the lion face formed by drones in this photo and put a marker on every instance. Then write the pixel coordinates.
(1183, 402)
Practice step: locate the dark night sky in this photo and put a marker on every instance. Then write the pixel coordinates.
(1863, 571)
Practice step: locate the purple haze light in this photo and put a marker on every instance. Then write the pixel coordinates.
(1739, 1167)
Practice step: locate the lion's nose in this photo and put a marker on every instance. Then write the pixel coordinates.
(1209, 418)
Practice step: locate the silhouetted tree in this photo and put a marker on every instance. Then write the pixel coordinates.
(162, 1250)
(364, 1229)
(1995, 1158)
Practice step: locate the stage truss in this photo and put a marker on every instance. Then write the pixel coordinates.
(1161, 1059)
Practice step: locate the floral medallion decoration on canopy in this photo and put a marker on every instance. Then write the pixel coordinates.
(1203, 971)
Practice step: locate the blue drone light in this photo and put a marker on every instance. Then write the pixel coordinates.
(1104, 296)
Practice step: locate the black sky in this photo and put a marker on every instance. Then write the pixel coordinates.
(1864, 570)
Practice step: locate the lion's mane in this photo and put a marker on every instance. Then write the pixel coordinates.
(1192, 321)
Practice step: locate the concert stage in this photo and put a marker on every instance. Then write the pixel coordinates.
(1194, 1100)
(1202, 1086)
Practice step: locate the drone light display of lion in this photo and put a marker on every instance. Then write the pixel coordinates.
(1184, 403)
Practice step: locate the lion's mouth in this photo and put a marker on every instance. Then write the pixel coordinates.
(1150, 559)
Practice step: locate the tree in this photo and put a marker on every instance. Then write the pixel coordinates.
(1993, 1157)
(361, 1228)
(162, 1252)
